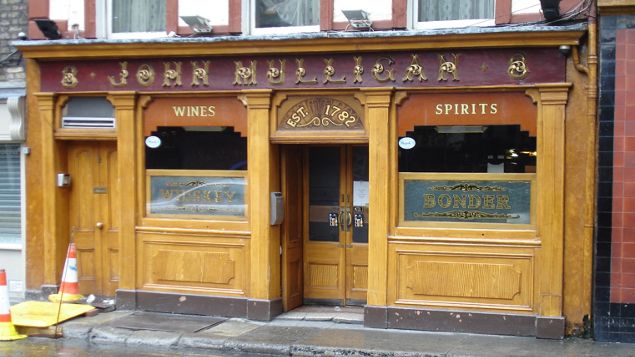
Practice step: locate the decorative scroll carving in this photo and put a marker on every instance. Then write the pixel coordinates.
(321, 113)
(200, 75)
(145, 75)
(123, 76)
(415, 70)
(468, 187)
(358, 70)
(379, 69)
(276, 75)
(16, 117)
(517, 67)
(69, 77)
(172, 74)
(329, 72)
(245, 75)
(468, 215)
(300, 73)
(447, 67)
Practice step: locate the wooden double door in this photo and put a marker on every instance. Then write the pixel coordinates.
(326, 231)
(94, 215)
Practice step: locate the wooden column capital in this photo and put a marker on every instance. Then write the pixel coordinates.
(123, 100)
(256, 98)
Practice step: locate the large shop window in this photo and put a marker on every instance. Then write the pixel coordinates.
(467, 175)
(467, 160)
(10, 206)
(196, 173)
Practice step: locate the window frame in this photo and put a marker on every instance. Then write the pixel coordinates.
(251, 10)
(413, 10)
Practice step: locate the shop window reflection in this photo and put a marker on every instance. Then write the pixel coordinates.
(197, 148)
(485, 149)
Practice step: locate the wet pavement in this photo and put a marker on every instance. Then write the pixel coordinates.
(47, 347)
(305, 332)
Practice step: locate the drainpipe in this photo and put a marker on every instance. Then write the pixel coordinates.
(590, 69)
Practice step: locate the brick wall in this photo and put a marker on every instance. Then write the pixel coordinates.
(623, 217)
(13, 20)
(614, 288)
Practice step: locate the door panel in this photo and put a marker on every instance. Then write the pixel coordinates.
(292, 228)
(84, 170)
(323, 257)
(110, 232)
(335, 246)
(93, 215)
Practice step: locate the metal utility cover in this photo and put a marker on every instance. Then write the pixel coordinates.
(165, 322)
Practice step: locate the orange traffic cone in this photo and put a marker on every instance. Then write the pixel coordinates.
(7, 330)
(69, 290)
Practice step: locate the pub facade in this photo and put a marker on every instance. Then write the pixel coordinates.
(438, 179)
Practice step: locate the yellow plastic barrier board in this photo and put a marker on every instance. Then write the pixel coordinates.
(44, 313)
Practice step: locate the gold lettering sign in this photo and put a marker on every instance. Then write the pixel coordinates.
(194, 110)
(322, 113)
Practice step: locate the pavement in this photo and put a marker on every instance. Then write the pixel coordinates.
(312, 332)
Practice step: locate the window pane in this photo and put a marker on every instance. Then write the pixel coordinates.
(488, 149)
(443, 10)
(138, 16)
(217, 11)
(525, 6)
(377, 9)
(70, 10)
(197, 148)
(284, 13)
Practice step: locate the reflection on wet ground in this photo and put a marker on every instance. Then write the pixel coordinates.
(47, 347)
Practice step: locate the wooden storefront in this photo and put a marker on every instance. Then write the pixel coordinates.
(176, 150)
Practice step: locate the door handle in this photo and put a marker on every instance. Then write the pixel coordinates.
(99, 225)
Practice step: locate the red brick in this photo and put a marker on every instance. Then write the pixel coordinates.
(628, 220)
(618, 173)
(618, 188)
(627, 296)
(616, 294)
(628, 205)
(628, 250)
(620, 86)
(618, 220)
(628, 235)
(629, 189)
(616, 249)
(629, 36)
(618, 143)
(618, 204)
(629, 174)
(628, 281)
(628, 265)
(618, 159)
(617, 234)
(620, 36)
(616, 266)
(628, 159)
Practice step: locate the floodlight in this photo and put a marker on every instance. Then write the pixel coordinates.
(48, 28)
(358, 19)
(198, 24)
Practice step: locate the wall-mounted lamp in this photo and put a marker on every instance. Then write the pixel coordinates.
(198, 24)
(49, 28)
(564, 49)
(550, 9)
(358, 20)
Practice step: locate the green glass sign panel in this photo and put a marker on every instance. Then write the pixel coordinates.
(467, 201)
(197, 195)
